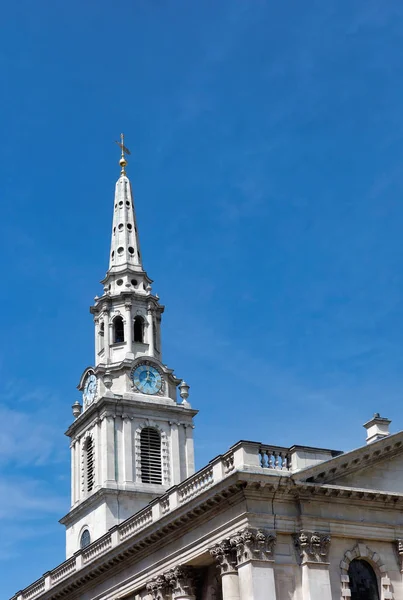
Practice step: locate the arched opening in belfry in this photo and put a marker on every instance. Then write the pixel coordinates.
(119, 330)
(138, 329)
(363, 580)
(150, 452)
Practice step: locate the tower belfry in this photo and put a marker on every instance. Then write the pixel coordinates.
(132, 439)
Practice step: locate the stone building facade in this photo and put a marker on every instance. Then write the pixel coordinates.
(259, 522)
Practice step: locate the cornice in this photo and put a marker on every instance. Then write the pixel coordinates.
(117, 406)
(350, 462)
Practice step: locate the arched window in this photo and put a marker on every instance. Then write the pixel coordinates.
(118, 330)
(101, 336)
(138, 329)
(85, 539)
(363, 581)
(150, 447)
(89, 464)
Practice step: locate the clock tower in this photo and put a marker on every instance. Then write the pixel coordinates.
(131, 439)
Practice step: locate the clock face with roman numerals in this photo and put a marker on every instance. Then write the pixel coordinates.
(147, 379)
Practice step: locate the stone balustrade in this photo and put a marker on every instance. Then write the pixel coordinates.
(243, 456)
(63, 571)
(272, 457)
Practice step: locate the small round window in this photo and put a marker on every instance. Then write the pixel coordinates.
(119, 282)
(120, 250)
(134, 282)
(127, 203)
(85, 539)
(120, 226)
(129, 226)
(131, 250)
(121, 203)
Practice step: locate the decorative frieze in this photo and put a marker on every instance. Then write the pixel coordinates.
(312, 546)
(225, 554)
(254, 544)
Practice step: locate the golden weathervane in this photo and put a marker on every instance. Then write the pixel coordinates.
(124, 150)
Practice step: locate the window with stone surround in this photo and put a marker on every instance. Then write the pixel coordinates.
(85, 539)
(363, 581)
(151, 462)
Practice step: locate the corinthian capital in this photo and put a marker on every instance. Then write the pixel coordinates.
(225, 555)
(254, 544)
(157, 588)
(181, 581)
(312, 546)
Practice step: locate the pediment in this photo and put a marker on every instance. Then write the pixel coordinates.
(376, 466)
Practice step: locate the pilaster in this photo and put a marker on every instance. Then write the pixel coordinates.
(313, 550)
(175, 449)
(255, 556)
(107, 335)
(150, 330)
(129, 327)
(127, 449)
(189, 448)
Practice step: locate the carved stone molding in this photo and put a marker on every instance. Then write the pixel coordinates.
(157, 587)
(181, 582)
(312, 546)
(254, 544)
(225, 555)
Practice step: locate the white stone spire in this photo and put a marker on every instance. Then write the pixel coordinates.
(125, 247)
(132, 439)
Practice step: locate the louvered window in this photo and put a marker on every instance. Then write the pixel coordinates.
(150, 444)
(89, 464)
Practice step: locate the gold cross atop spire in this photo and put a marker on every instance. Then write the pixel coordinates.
(123, 161)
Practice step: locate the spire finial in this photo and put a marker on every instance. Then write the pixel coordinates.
(123, 161)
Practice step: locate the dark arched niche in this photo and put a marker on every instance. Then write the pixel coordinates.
(363, 582)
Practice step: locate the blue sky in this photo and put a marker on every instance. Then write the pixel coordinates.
(267, 165)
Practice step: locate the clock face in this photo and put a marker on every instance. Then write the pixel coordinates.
(147, 379)
(90, 389)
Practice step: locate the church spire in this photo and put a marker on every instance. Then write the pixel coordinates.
(125, 246)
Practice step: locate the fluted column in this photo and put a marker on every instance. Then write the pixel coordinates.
(255, 556)
(313, 550)
(225, 555)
